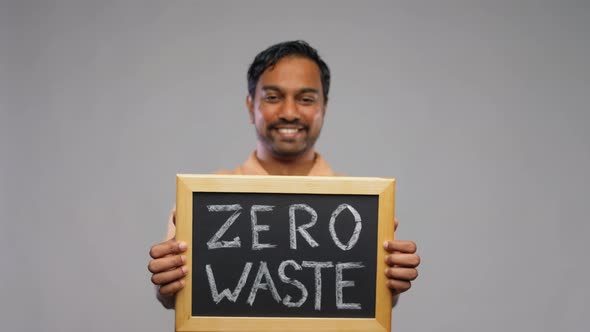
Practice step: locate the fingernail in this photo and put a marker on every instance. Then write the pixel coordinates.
(182, 245)
(386, 245)
(184, 270)
(183, 259)
(182, 282)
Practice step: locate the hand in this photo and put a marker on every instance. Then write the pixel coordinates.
(402, 262)
(168, 267)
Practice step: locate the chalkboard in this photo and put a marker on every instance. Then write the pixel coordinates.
(284, 248)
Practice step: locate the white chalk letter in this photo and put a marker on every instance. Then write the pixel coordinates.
(357, 228)
(301, 229)
(232, 296)
(270, 285)
(258, 228)
(345, 283)
(214, 243)
(287, 299)
(318, 279)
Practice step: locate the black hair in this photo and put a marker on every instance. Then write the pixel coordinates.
(269, 57)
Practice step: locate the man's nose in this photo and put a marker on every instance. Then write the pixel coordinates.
(290, 110)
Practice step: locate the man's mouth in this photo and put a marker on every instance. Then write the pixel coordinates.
(288, 131)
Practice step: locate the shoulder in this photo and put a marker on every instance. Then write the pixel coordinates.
(236, 171)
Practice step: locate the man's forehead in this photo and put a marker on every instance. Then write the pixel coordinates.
(292, 72)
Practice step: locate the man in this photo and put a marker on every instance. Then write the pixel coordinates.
(288, 87)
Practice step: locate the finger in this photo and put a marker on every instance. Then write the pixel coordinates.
(395, 224)
(400, 273)
(398, 286)
(407, 247)
(403, 260)
(167, 248)
(166, 263)
(172, 288)
(167, 277)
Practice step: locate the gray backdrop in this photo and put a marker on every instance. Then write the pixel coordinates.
(479, 109)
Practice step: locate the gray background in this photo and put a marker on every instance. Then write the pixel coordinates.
(479, 109)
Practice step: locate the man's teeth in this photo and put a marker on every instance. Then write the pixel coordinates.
(288, 131)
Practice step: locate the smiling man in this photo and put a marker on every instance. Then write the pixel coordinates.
(288, 86)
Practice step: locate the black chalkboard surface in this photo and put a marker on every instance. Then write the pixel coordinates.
(272, 250)
(284, 255)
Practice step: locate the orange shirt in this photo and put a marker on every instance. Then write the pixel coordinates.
(253, 167)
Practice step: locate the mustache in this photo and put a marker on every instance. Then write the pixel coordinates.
(284, 122)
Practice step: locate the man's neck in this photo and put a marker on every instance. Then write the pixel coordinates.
(300, 165)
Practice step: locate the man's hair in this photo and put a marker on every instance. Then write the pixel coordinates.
(269, 57)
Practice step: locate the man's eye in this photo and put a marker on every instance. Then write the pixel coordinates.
(271, 98)
(307, 100)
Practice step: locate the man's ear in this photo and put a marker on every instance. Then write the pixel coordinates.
(250, 106)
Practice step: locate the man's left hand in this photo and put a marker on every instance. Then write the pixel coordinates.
(402, 262)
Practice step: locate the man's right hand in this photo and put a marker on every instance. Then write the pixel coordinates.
(168, 268)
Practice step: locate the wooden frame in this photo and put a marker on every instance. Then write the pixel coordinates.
(384, 188)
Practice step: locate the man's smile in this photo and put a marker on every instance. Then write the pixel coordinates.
(289, 131)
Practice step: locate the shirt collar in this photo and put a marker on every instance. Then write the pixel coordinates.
(252, 166)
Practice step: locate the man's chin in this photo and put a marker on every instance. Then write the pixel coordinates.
(288, 154)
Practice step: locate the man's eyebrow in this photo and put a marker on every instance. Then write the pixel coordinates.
(300, 91)
(271, 87)
(309, 90)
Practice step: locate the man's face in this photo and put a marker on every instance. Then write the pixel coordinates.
(288, 107)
